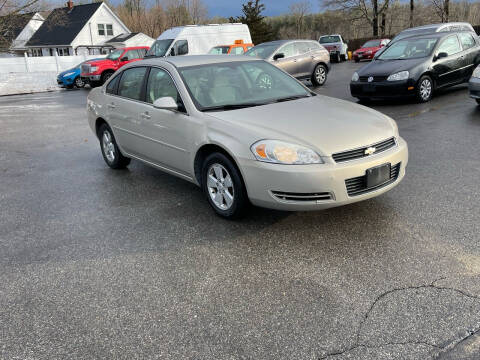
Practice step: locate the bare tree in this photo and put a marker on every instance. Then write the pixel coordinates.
(298, 11)
(198, 11)
(442, 9)
(412, 8)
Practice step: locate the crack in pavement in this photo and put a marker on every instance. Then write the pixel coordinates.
(444, 349)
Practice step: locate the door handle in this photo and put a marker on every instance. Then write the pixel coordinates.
(145, 116)
(111, 106)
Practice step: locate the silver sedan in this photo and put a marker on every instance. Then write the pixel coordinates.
(245, 132)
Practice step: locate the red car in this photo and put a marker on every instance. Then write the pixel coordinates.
(368, 50)
(96, 72)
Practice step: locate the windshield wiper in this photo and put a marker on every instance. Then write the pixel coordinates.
(290, 98)
(231, 106)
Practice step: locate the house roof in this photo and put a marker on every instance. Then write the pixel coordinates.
(121, 38)
(14, 24)
(63, 25)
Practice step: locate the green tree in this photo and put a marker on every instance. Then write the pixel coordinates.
(260, 30)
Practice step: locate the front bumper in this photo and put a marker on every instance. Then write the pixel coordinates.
(474, 87)
(382, 89)
(62, 82)
(90, 77)
(263, 180)
(363, 56)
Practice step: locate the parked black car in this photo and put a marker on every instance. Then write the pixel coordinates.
(418, 65)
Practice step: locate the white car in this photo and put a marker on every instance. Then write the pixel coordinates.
(337, 47)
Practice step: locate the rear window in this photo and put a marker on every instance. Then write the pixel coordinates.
(329, 39)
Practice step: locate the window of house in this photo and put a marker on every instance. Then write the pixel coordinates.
(109, 29)
(101, 29)
(130, 85)
(63, 52)
(37, 52)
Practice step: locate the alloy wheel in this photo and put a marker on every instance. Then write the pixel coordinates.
(425, 89)
(79, 82)
(220, 186)
(108, 146)
(320, 74)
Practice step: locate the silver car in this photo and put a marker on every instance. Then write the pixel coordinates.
(303, 59)
(245, 132)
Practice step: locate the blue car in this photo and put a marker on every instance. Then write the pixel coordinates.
(71, 77)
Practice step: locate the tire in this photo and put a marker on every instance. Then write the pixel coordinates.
(357, 60)
(223, 186)
(110, 151)
(94, 84)
(79, 83)
(424, 89)
(319, 76)
(69, 86)
(105, 76)
(478, 101)
(344, 57)
(337, 58)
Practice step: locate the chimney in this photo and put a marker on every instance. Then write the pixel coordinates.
(70, 4)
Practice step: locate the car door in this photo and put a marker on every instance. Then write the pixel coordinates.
(124, 109)
(304, 58)
(166, 131)
(448, 70)
(470, 52)
(289, 62)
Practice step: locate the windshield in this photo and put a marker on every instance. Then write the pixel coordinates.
(371, 43)
(329, 39)
(262, 51)
(159, 48)
(409, 49)
(238, 84)
(114, 55)
(219, 50)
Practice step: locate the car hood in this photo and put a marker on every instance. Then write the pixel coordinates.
(68, 71)
(327, 124)
(388, 67)
(98, 62)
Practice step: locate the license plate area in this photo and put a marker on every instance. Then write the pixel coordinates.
(378, 175)
(369, 88)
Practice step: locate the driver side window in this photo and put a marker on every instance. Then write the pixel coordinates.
(450, 46)
(160, 84)
(288, 50)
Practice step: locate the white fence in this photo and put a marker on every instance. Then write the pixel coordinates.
(43, 64)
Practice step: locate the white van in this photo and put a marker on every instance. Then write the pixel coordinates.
(197, 39)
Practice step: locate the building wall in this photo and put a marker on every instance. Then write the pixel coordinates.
(102, 16)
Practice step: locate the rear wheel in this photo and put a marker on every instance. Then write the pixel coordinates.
(110, 151)
(424, 88)
(337, 58)
(344, 57)
(319, 75)
(223, 186)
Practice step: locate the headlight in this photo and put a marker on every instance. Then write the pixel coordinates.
(93, 68)
(402, 75)
(69, 74)
(355, 76)
(369, 51)
(279, 152)
(476, 72)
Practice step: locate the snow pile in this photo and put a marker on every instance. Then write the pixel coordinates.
(23, 83)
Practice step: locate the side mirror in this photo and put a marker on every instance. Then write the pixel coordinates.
(125, 58)
(165, 103)
(278, 56)
(172, 52)
(441, 56)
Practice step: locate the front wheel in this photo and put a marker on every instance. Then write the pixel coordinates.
(319, 76)
(110, 151)
(105, 76)
(425, 88)
(223, 185)
(79, 83)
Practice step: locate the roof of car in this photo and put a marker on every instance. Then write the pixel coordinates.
(193, 60)
(435, 35)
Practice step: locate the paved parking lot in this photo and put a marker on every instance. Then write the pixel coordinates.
(102, 264)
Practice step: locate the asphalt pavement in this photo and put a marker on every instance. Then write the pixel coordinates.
(103, 264)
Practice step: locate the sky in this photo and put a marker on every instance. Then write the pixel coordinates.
(228, 8)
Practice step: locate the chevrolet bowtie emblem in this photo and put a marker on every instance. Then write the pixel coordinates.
(370, 150)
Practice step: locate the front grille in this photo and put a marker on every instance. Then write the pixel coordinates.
(302, 197)
(360, 152)
(85, 69)
(375, 78)
(358, 185)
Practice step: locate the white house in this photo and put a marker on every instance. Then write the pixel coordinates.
(20, 29)
(76, 30)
